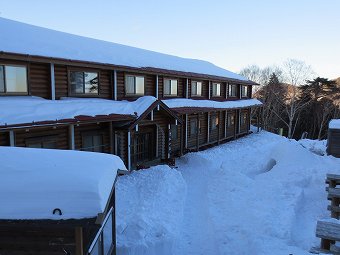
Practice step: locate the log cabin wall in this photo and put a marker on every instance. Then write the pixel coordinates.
(40, 80)
(333, 142)
(59, 134)
(203, 129)
(4, 139)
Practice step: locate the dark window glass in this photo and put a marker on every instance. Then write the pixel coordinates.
(193, 127)
(93, 143)
(174, 132)
(13, 79)
(232, 90)
(170, 87)
(216, 89)
(196, 88)
(230, 120)
(84, 83)
(214, 122)
(244, 117)
(42, 142)
(244, 91)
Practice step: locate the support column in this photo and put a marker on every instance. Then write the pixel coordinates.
(208, 128)
(115, 85)
(111, 138)
(79, 241)
(11, 138)
(225, 123)
(71, 141)
(209, 87)
(157, 86)
(52, 81)
(129, 150)
(198, 133)
(186, 131)
(218, 128)
(187, 88)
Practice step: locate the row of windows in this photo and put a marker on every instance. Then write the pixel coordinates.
(13, 79)
(195, 126)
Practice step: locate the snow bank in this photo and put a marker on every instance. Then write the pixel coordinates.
(34, 182)
(261, 195)
(183, 102)
(316, 146)
(149, 211)
(22, 38)
(26, 109)
(334, 124)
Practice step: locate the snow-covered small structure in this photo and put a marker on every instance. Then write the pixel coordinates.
(54, 199)
(333, 142)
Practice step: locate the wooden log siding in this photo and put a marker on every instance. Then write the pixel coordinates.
(176, 143)
(4, 139)
(231, 129)
(40, 80)
(203, 129)
(333, 145)
(213, 134)
(60, 134)
(101, 129)
(61, 81)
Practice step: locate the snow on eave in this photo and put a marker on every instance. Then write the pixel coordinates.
(34, 182)
(32, 40)
(29, 109)
(334, 124)
(191, 103)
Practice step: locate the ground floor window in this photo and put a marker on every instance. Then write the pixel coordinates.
(92, 142)
(244, 118)
(193, 127)
(174, 132)
(44, 142)
(230, 120)
(214, 122)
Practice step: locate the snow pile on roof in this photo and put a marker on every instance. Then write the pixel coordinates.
(26, 109)
(150, 206)
(334, 124)
(34, 182)
(183, 102)
(17, 37)
(261, 194)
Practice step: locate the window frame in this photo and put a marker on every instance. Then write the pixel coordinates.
(214, 122)
(41, 140)
(246, 91)
(232, 117)
(172, 128)
(70, 93)
(196, 95)
(230, 86)
(191, 134)
(243, 117)
(5, 93)
(170, 95)
(125, 85)
(92, 134)
(219, 85)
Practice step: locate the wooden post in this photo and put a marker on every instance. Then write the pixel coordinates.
(181, 140)
(115, 85)
(157, 86)
(79, 241)
(225, 124)
(186, 131)
(11, 138)
(208, 132)
(129, 150)
(112, 143)
(187, 88)
(72, 145)
(218, 128)
(52, 81)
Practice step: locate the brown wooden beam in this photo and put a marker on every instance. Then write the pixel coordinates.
(79, 241)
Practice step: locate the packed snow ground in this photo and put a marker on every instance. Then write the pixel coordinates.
(261, 194)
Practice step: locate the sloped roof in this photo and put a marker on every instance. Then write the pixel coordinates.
(21, 38)
(34, 182)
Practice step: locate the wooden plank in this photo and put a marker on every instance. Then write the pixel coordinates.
(333, 192)
(79, 241)
(328, 230)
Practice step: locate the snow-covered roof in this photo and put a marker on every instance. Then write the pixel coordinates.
(17, 37)
(334, 124)
(185, 103)
(34, 182)
(26, 109)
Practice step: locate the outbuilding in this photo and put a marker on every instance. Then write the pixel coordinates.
(57, 201)
(333, 142)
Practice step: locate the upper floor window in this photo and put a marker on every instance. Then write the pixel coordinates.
(244, 91)
(196, 88)
(216, 90)
(170, 87)
(214, 122)
(134, 85)
(84, 83)
(232, 90)
(13, 79)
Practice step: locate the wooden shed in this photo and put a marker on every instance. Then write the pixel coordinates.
(333, 141)
(57, 201)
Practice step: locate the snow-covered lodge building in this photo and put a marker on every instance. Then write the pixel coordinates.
(64, 91)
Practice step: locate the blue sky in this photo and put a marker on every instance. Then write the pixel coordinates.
(231, 34)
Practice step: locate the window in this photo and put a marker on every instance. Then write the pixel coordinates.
(193, 127)
(174, 132)
(84, 83)
(230, 120)
(232, 90)
(244, 91)
(92, 142)
(170, 87)
(214, 122)
(134, 85)
(13, 79)
(46, 142)
(216, 92)
(196, 88)
(244, 117)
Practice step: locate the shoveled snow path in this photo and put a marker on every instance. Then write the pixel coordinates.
(235, 206)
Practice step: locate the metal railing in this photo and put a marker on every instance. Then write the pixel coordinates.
(104, 242)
